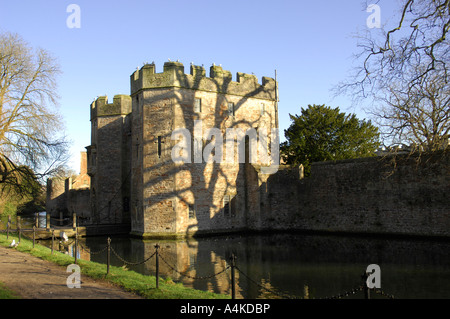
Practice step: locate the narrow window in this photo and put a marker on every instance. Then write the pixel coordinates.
(226, 206)
(159, 146)
(137, 104)
(197, 105)
(191, 211)
(230, 109)
(263, 108)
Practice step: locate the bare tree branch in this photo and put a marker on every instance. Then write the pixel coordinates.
(29, 122)
(404, 71)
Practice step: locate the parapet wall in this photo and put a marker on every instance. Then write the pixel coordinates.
(219, 81)
(121, 105)
(366, 196)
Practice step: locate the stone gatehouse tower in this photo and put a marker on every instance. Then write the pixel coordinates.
(108, 159)
(134, 177)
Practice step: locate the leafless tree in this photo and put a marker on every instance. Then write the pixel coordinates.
(405, 72)
(30, 127)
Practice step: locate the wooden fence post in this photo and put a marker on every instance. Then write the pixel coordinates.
(8, 226)
(19, 228)
(34, 235)
(53, 239)
(76, 246)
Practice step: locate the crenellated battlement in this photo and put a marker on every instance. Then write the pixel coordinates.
(121, 105)
(219, 80)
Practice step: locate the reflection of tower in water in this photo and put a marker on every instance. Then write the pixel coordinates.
(183, 261)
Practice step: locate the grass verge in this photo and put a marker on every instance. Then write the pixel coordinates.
(6, 293)
(132, 281)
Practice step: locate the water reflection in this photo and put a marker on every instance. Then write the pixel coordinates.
(295, 265)
(27, 221)
(286, 264)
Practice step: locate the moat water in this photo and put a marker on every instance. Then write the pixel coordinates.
(282, 265)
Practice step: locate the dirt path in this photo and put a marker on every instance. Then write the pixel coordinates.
(34, 278)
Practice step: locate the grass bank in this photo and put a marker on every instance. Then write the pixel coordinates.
(6, 293)
(131, 281)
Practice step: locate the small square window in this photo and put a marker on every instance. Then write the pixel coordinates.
(197, 105)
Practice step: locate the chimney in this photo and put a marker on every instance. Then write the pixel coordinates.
(83, 163)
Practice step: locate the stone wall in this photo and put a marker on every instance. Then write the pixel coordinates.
(178, 199)
(69, 195)
(109, 160)
(363, 196)
(219, 81)
(78, 202)
(56, 199)
(134, 177)
(64, 199)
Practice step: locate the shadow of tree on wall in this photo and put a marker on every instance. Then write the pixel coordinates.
(223, 197)
(196, 184)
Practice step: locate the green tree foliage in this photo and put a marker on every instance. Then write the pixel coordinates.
(322, 133)
(30, 198)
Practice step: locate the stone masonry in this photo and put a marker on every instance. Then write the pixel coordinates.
(108, 160)
(402, 195)
(136, 182)
(134, 177)
(69, 195)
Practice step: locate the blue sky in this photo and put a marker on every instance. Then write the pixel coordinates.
(309, 43)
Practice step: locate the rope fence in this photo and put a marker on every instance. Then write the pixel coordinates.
(231, 265)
